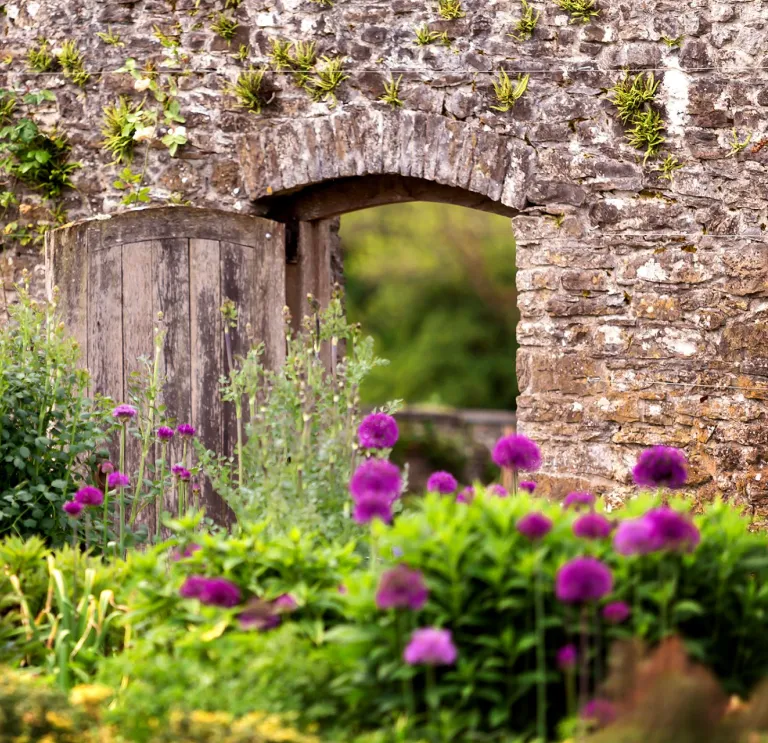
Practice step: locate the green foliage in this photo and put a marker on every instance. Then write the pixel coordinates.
(634, 100)
(122, 123)
(580, 10)
(49, 429)
(673, 43)
(225, 27)
(391, 93)
(450, 9)
(243, 52)
(668, 167)
(527, 23)
(294, 465)
(303, 60)
(444, 311)
(130, 182)
(72, 63)
(248, 90)
(508, 93)
(737, 145)
(34, 157)
(110, 38)
(326, 80)
(39, 58)
(280, 54)
(424, 36)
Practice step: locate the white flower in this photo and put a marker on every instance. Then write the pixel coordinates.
(178, 131)
(142, 83)
(144, 133)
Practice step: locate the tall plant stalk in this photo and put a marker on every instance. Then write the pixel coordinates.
(541, 658)
(121, 493)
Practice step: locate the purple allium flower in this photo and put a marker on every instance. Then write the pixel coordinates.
(259, 615)
(583, 579)
(181, 472)
(467, 495)
(375, 477)
(498, 490)
(342, 589)
(73, 508)
(285, 603)
(528, 485)
(634, 537)
(534, 526)
(661, 467)
(107, 467)
(124, 413)
(189, 550)
(195, 487)
(671, 530)
(592, 526)
(118, 480)
(402, 588)
(600, 711)
(579, 500)
(89, 496)
(220, 592)
(566, 657)
(616, 612)
(377, 431)
(442, 482)
(370, 507)
(516, 452)
(164, 433)
(186, 430)
(430, 647)
(192, 587)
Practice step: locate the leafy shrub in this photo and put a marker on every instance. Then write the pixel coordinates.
(49, 429)
(294, 465)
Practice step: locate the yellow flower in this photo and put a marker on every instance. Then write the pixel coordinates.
(58, 720)
(89, 695)
(201, 717)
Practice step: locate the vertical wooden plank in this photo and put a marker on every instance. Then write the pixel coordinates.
(206, 356)
(66, 269)
(269, 282)
(138, 332)
(171, 287)
(312, 273)
(105, 321)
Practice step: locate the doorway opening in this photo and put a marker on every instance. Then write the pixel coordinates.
(434, 284)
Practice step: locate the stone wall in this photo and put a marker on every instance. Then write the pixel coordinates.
(644, 300)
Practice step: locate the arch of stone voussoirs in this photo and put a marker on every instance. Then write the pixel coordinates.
(327, 166)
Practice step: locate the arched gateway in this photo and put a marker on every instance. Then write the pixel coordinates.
(643, 281)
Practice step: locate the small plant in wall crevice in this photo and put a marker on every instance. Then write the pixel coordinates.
(249, 90)
(40, 57)
(73, 63)
(582, 11)
(225, 27)
(450, 10)
(327, 79)
(124, 123)
(391, 93)
(508, 92)
(527, 23)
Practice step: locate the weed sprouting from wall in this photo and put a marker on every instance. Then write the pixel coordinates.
(527, 23)
(248, 89)
(633, 97)
(507, 92)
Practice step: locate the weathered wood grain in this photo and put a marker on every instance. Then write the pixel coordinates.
(206, 355)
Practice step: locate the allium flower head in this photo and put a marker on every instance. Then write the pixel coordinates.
(634, 537)
(467, 495)
(186, 430)
(516, 452)
(375, 477)
(566, 657)
(578, 501)
(118, 480)
(370, 507)
(592, 526)
(73, 508)
(442, 482)
(220, 592)
(528, 485)
(661, 467)
(124, 413)
(285, 603)
(181, 472)
(616, 612)
(164, 433)
(430, 647)
(602, 712)
(583, 579)
(671, 530)
(192, 587)
(258, 615)
(534, 526)
(377, 431)
(498, 490)
(89, 496)
(402, 588)
(107, 467)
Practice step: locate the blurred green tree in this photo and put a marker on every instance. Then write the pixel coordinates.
(434, 285)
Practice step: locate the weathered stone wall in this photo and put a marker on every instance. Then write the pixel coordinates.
(644, 301)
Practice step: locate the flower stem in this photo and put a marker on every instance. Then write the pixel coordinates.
(433, 703)
(541, 662)
(122, 491)
(407, 680)
(160, 500)
(106, 516)
(583, 666)
(373, 556)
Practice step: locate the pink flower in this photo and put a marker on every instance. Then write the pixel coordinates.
(616, 612)
(186, 430)
(164, 433)
(72, 508)
(430, 647)
(498, 490)
(516, 452)
(375, 477)
(583, 579)
(377, 431)
(578, 500)
(370, 507)
(442, 482)
(566, 657)
(528, 485)
(467, 495)
(402, 588)
(118, 480)
(181, 472)
(285, 603)
(534, 526)
(89, 496)
(592, 526)
(107, 467)
(124, 413)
